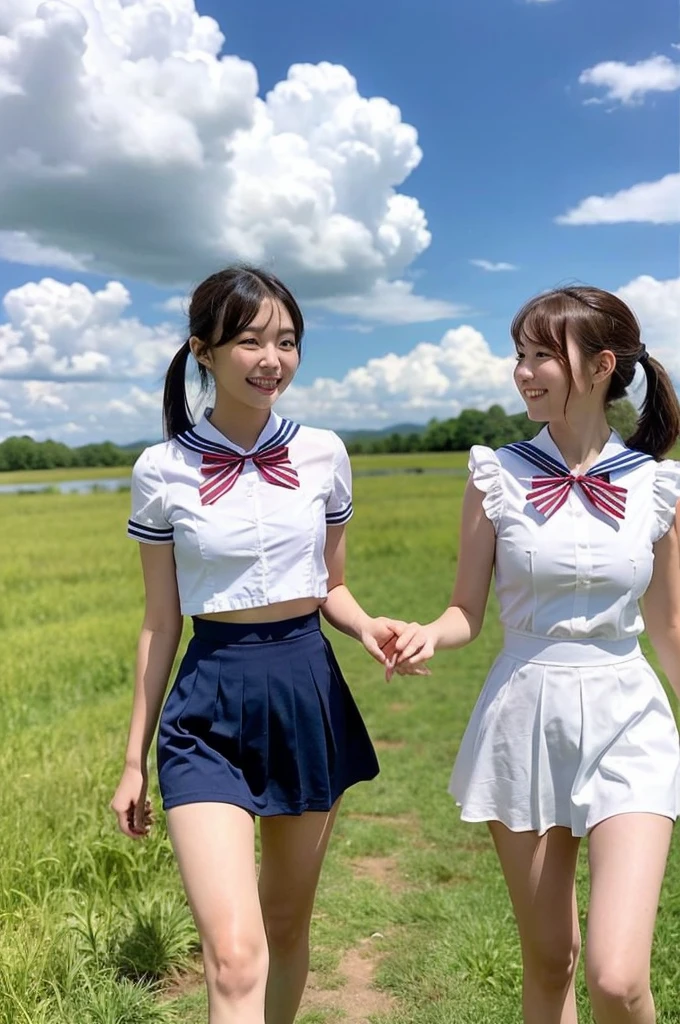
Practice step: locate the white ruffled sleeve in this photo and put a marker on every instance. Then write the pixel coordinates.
(666, 497)
(485, 468)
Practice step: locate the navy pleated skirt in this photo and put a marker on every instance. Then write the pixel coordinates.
(260, 716)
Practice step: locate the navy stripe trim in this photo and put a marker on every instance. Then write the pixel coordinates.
(341, 516)
(628, 459)
(151, 534)
(537, 457)
(624, 460)
(194, 442)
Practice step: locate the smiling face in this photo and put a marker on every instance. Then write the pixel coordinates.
(254, 368)
(555, 391)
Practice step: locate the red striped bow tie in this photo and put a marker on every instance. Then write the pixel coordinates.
(222, 470)
(549, 494)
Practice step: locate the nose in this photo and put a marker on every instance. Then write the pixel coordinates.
(270, 357)
(523, 372)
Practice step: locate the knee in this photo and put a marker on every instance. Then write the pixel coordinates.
(617, 987)
(285, 928)
(553, 963)
(235, 967)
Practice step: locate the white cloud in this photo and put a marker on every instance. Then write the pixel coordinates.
(60, 332)
(392, 302)
(654, 202)
(630, 83)
(493, 268)
(657, 306)
(126, 136)
(431, 380)
(18, 247)
(176, 304)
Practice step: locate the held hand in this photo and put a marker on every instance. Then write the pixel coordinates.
(130, 805)
(413, 648)
(379, 637)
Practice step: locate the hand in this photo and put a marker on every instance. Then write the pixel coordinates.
(412, 649)
(130, 805)
(379, 637)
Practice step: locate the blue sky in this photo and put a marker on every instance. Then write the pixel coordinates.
(523, 111)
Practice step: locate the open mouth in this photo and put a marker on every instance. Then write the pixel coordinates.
(533, 393)
(265, 385)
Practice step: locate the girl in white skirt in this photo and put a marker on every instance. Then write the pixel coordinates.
(573, 735)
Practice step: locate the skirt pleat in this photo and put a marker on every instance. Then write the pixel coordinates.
(260, 716)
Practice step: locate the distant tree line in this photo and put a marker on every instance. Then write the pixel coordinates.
(493, 427)
(26, 453)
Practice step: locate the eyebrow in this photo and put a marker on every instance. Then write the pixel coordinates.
(261, 330)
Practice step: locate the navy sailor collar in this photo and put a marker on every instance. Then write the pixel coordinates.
(207, 439)
(543, 453)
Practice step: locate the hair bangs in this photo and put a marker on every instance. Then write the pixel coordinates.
(244, 300)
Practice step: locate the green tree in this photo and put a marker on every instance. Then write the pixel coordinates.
(622, 416)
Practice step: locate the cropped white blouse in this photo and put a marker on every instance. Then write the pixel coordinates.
(258, 543)
(578, 573)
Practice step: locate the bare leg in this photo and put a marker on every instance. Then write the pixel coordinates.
(293, 850)
(627, 861)
(215, 848)
(539, 871)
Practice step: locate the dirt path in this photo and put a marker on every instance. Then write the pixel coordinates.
(357, 999)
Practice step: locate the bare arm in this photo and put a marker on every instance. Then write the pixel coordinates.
(661, 604)
(343, 611)
(463, 619)
(156, 649)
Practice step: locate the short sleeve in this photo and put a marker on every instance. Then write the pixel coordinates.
(339, 505)
(147, 522)
(485, 469)
(666, 497)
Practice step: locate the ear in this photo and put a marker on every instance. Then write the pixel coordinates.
(200, 351)
(604, 364)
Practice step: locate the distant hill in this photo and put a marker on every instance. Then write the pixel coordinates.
(367, 434)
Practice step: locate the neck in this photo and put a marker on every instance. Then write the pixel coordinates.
(580, 446)
(239, 423)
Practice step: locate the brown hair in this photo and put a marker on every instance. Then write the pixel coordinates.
(597, 321)
(232, 296)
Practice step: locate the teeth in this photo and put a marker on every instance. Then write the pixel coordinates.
(534, 393)
(264, 382)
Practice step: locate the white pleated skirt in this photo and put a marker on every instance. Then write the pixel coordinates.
(568, 732)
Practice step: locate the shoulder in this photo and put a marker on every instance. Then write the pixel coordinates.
(153, 458)
(666, 495)
(485, 473)
(320, 440)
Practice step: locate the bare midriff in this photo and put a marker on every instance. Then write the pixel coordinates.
(268, 613)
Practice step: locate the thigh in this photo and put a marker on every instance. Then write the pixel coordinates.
(627, 856)
(293, 849)
(215, 848)
(540, 874)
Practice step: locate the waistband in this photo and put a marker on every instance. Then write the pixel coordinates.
(584, 651)
(221, 633)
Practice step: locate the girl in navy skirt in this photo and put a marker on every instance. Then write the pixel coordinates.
(241, 523)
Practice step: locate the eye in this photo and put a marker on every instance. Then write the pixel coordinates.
(288, 343)
(519, 356)
(249, 341)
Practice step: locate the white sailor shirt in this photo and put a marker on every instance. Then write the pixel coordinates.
(258, 543)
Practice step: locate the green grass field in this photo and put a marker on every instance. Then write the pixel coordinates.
(412, 921)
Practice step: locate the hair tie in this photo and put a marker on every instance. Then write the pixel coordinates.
(642, 356)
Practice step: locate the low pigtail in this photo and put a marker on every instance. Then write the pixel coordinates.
(176, 413)
(658, 426)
